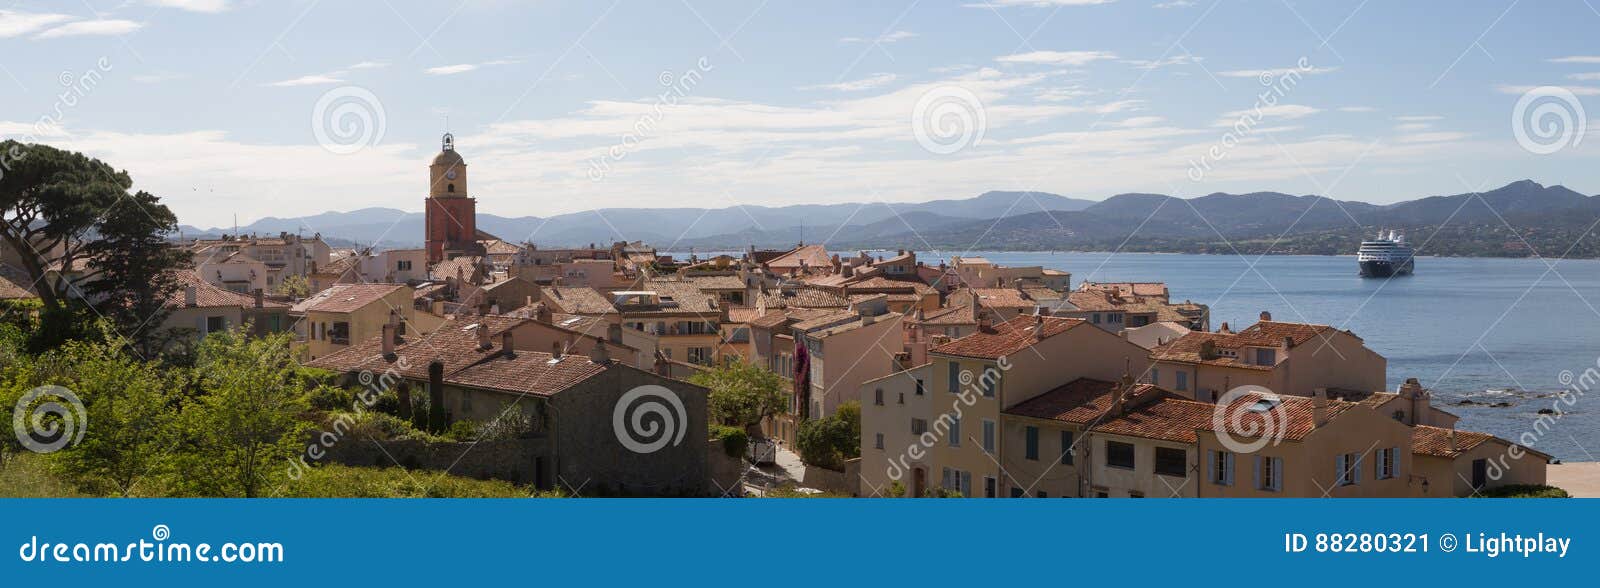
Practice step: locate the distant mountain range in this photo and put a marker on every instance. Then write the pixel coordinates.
(1546, 219)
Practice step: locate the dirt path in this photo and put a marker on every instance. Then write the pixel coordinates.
(1579, 478)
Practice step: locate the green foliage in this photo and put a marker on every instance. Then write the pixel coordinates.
(462, 430)
(734, 439)
(511, 424)
(897, 489)
(828, 442)
(247, 421)
(793, 492)
(29, 475)
(936, 492)
(1524, 491)
(132, 414)
(742, 394)
(294, 286)
(336, 481)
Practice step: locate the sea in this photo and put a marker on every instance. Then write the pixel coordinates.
(1494, 339)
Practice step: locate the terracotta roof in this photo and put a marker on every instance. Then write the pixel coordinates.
(11, 285)
(802, 298)
(686, 294)
(773, 319)
(468, 266)
(1008, 337)
(345, 297)
(883, 284)
(526, 372)
(1435, 441)
(1166, 419)
(1158, 289)
(577, 300)
(499, 247)
(210, 296)
(455, 342)
(1262, 334)
(743, 314)
(716, 282)
(812, 255)
(824, 320)
(1080, 401)
(1002, 298)
(1177, 419)
(954, 315)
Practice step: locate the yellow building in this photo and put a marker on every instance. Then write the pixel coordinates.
(329, 320)
(1287, 358)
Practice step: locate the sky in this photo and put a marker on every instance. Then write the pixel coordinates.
(252, 108)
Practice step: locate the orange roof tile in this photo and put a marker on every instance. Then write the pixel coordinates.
(1008, 337)
(345, 297)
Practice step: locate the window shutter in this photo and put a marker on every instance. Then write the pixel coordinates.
(1257, 481)
(1211, 466)
(1396, 452)
(1277, 474)
(1227, 466)
(1355, 472)
(966, 484)
(1339, 463)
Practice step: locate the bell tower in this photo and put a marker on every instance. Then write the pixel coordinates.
(451, 215)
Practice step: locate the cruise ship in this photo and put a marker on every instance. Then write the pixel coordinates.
(1388, 255)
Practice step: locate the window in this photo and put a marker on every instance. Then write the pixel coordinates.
(1387, 463)
(1031, 451)
(1119, 455)
(920, 387)
(958, 481)
(902, 398)
(1172, 461)
(879, 439)
(1349, 473)
(955, 377)
(989, 484)
(1269, 473)
(988, 436)
(1095, 318)
(466, 401)
(1480, 473)
(1016, 493)
(1182, 383)
(1221, 468)
(1155, 377)
(1101, 495)
(1266, 356)
(1066, 448)
(402, 265)
(991, 382)
(216, 323)
(1041, 494)
(877, 397)
(919, 426)
(1135, 494)
(955, 432)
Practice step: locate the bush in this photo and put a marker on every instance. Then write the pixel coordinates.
(734, 439)
(828, 442)
(512, 424)
(463, 430)
(1524, 491)
(793, 492)
(337, 481)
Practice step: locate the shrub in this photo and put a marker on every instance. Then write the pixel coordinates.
(462, 430)
(828, 442)
(789, 491)
(337, 481)
(1524, 491)
(512, 424)
(734, 439)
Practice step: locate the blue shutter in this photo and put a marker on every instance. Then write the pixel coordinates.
(1257, 482)
(1339, 463)
(1355, 472)
(1227, 466)
(1211, 466)
(1396, 452)
(1277, 474)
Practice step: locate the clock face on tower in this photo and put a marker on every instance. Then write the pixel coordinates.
(450, 175)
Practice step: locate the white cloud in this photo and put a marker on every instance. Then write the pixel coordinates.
(311, 80)
(91, 27)
(370, 65)
(1057, 57)
(885, 38)
(866, 83)
(1175, 4)
(1419, 118)
(1584, 77)
(1412, 127)
(1276, 72)
(209, 6)
(1357, 109)
(1164, 62)
(1585, 59)
(159, 77)
(448, 70)
(15, 24)
(1576, 90)
(1276, 111)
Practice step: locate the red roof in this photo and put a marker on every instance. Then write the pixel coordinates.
(346, 297)
(1008, 337)
(210, 296)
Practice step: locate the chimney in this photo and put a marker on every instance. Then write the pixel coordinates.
(555, 350)
(506, 344)
(601, 355)
(544, 314)
(1420, 399)
(1266, 316)
(1043, 310)
(261, 297)
(1224, 329)
(1453, 440)
(614, 333)
(1319, 407)
(387, 340)
(1119, 396)
(983, 320)
(483, 336)
(191, 296)
(1017, 283)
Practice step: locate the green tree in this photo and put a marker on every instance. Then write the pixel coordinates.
(246, 423)
(132, 416)
(62, 209)
(742, 394)
(828, 442)
(294, 287)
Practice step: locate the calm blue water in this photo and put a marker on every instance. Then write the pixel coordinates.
(1485, 330)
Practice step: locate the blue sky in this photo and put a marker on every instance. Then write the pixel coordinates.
(559, 107)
